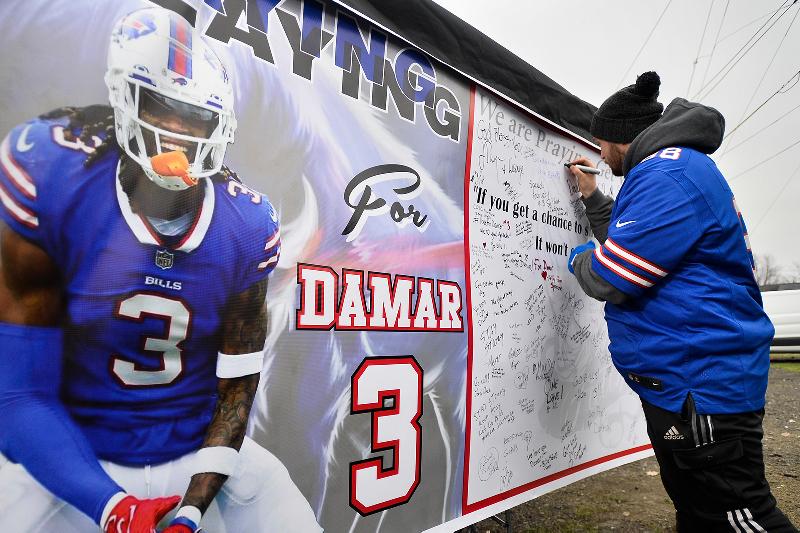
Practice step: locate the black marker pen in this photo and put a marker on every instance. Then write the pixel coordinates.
(582, 168)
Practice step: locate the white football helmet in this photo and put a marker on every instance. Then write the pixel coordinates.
(170, 92)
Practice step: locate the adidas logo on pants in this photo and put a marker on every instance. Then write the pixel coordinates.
(673, 434)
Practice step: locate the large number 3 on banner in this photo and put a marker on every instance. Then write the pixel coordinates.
(395, 427)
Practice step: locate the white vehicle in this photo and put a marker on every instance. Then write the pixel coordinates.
(783, 308)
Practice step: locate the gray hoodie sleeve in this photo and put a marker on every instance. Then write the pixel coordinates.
(598, 211)
(594, 285)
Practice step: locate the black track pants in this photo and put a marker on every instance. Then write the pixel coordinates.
(712, 467)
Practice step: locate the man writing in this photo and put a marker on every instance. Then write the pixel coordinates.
(687, 328)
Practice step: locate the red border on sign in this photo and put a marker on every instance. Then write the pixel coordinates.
(466, 507)
(468, 284)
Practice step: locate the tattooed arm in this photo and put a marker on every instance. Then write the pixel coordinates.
(244, 331)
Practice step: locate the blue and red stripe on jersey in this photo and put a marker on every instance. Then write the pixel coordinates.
(628, 265)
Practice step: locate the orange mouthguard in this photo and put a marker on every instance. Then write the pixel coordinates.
(173, 164)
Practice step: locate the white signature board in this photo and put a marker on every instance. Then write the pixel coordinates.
(544, 400)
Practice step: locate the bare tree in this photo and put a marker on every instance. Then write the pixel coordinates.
(794, 275)
(768, 272)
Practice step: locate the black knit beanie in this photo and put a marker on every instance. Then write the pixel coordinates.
(627, 112)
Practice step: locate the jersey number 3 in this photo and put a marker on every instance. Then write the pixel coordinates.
(176, 316)
(390, 388)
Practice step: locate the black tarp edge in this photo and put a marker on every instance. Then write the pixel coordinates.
(448, 39)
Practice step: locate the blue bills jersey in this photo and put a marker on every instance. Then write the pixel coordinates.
(143, 319)
(678, 245)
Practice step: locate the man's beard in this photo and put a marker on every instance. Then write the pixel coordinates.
(614, 162)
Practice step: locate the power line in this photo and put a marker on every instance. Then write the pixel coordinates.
(740, 28)
(783, 116)
(622, 80)
(708, 92)
(779, 91)
(763, 76)
(777, 196)
(770, 158)
(748, 48)
(703, 83)
(699, 47)
(772, 60)
(716, 41)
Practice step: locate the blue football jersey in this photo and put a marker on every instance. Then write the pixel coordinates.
(678, 245)
(143, 319)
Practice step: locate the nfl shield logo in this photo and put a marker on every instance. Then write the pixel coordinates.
(164, 259)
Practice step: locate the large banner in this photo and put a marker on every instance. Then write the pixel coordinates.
(429, 361)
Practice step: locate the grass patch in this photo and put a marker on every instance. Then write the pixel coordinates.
(779, 356)
(587, 514)
(787, 365)
(562, 526)
(786, 361)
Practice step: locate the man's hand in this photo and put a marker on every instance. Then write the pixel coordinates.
(587, 183)
(578, 249)
(132, 515)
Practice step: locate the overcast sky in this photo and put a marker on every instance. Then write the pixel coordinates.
(593, 48)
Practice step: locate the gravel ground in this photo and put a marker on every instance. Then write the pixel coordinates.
(631, 498)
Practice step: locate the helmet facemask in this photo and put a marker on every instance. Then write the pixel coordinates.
(156, 124)
(161, 109)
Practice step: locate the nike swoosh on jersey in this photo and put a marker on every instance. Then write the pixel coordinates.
(22, 141)
(620, 224)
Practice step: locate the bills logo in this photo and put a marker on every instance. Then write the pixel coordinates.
(164, 259)
(180, 81)
(139, 27)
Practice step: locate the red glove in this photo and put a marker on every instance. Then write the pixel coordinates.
(132, 515)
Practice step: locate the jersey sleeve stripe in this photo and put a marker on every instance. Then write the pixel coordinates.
(17, 211)
(620, 270)
(18, 176)
(274, 249)
(634, 259)
(271, 261)
(275, 239)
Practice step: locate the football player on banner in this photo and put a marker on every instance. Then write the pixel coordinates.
(132, 306)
